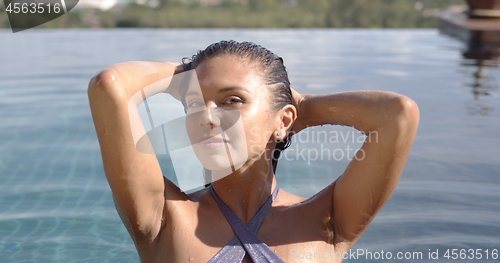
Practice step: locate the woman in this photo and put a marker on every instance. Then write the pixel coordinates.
(245, 208)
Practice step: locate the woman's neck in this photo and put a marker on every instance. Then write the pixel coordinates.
(246, 189)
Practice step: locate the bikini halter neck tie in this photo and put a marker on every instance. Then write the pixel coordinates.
(246, 240)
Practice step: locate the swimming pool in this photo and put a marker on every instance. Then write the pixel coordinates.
(55, 203)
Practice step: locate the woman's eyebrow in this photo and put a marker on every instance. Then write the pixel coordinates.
(193, 93)
(233, 88)
(225, 89)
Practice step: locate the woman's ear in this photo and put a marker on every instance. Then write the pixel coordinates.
(287, 116)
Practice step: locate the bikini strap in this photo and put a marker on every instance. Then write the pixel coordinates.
(246, 240)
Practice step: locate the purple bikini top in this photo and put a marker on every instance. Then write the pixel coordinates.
(246, 240)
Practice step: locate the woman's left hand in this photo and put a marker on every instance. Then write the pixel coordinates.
(297, 102)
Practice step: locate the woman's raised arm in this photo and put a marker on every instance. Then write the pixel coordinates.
(135, 178)
(390, 122)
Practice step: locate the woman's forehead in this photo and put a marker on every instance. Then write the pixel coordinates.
(228, 71)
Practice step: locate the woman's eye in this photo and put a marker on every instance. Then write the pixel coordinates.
(233, 100)
(196, 104)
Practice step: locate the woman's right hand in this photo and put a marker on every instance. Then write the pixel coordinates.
(179, 67)
(173, 88)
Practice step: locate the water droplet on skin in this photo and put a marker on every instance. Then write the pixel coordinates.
(191, 259)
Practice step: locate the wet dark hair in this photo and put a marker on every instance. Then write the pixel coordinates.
(272, 71)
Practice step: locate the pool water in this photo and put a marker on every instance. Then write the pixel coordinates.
(55, 203)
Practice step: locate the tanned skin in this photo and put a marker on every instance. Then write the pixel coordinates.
(167, 225)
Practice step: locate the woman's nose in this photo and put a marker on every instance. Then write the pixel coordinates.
(209, 117)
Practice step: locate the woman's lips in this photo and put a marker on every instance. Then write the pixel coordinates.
(211, 142)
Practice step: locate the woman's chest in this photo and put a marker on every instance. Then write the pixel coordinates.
(294, 234)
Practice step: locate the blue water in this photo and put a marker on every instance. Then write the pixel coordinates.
(55, 203)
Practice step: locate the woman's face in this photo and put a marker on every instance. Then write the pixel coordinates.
(230, 119)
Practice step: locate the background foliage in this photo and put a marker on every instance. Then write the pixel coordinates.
(257, 14)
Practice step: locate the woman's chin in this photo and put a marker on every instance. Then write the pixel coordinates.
(216, 158)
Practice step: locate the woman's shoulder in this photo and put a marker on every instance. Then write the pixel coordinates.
(286, 204)
(320, 199)
(285, 199)
(199, 196)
